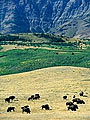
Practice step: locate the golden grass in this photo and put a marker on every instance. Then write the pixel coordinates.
(51, 83)
(11, 47)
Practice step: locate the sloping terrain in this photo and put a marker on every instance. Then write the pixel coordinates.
(51, 83)
(66, 17)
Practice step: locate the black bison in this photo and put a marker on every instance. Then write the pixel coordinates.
(46, 107)
(65, 97)
(72, 53)
(73, 107)
(37, 96)
(81, 93)
(34, 97)
(12, 97)
(31, 98)
(26, 109)
(73, 96)
(78, 101)
(7, 100)
(69, 103)
(10, 109)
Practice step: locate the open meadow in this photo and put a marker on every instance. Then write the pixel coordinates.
(50, 65)
(52, 84)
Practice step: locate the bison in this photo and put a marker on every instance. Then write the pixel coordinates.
(69, 103)
(73, 107)
(78, 101)
(26, 109)
(34, 97)
(37, 96)
(31, 98)
(81, 93)
(12, 97)
(7, 100)
(46, 107)
(10, 109)
(65, 97)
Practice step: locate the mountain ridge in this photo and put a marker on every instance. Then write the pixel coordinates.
(70, 18)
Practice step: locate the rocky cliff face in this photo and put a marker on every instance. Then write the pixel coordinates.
(66, 17)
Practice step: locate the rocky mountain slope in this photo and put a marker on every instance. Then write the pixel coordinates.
(66, 17)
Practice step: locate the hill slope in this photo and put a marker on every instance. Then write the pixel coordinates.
(51, 84)
(66, 17)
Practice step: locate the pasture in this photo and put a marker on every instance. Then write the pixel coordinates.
(51, 83)
(17, 59)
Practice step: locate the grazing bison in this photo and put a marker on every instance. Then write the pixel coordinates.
(12, 97)
(72, 53)
(78, 101)
(26, 106)
(46, 107)
(26, 109)
(69, 103)
(73, 96)
(81, 93)
(65, 97)
(37, 96)
(7, 100)
(31, 98)
(10, 109)
(73, 107)
(34, 97)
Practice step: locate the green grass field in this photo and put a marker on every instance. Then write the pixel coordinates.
(60, 53)
(16, 61)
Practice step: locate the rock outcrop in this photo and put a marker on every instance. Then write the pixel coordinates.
(65, 17)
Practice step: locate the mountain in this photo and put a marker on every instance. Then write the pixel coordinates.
(66, 17)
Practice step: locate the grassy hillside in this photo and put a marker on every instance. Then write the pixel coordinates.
(51, 84)
(15, 61)
(63, 52)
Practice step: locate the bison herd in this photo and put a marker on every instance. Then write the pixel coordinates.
(71, 105)
(25, 108)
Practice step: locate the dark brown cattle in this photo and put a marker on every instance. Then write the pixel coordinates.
(25, 109)
(73, 96)
(31, 98)
(72, 53)
(81, 93)
(37, 96)
(65, 97)
(69, 103)
(46, 107)
(12, 97)
(7, 100)
(10, 109)
(73, 107)
(78, 101)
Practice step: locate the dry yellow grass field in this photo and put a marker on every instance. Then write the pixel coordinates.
(51, 83)
(11, 47)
